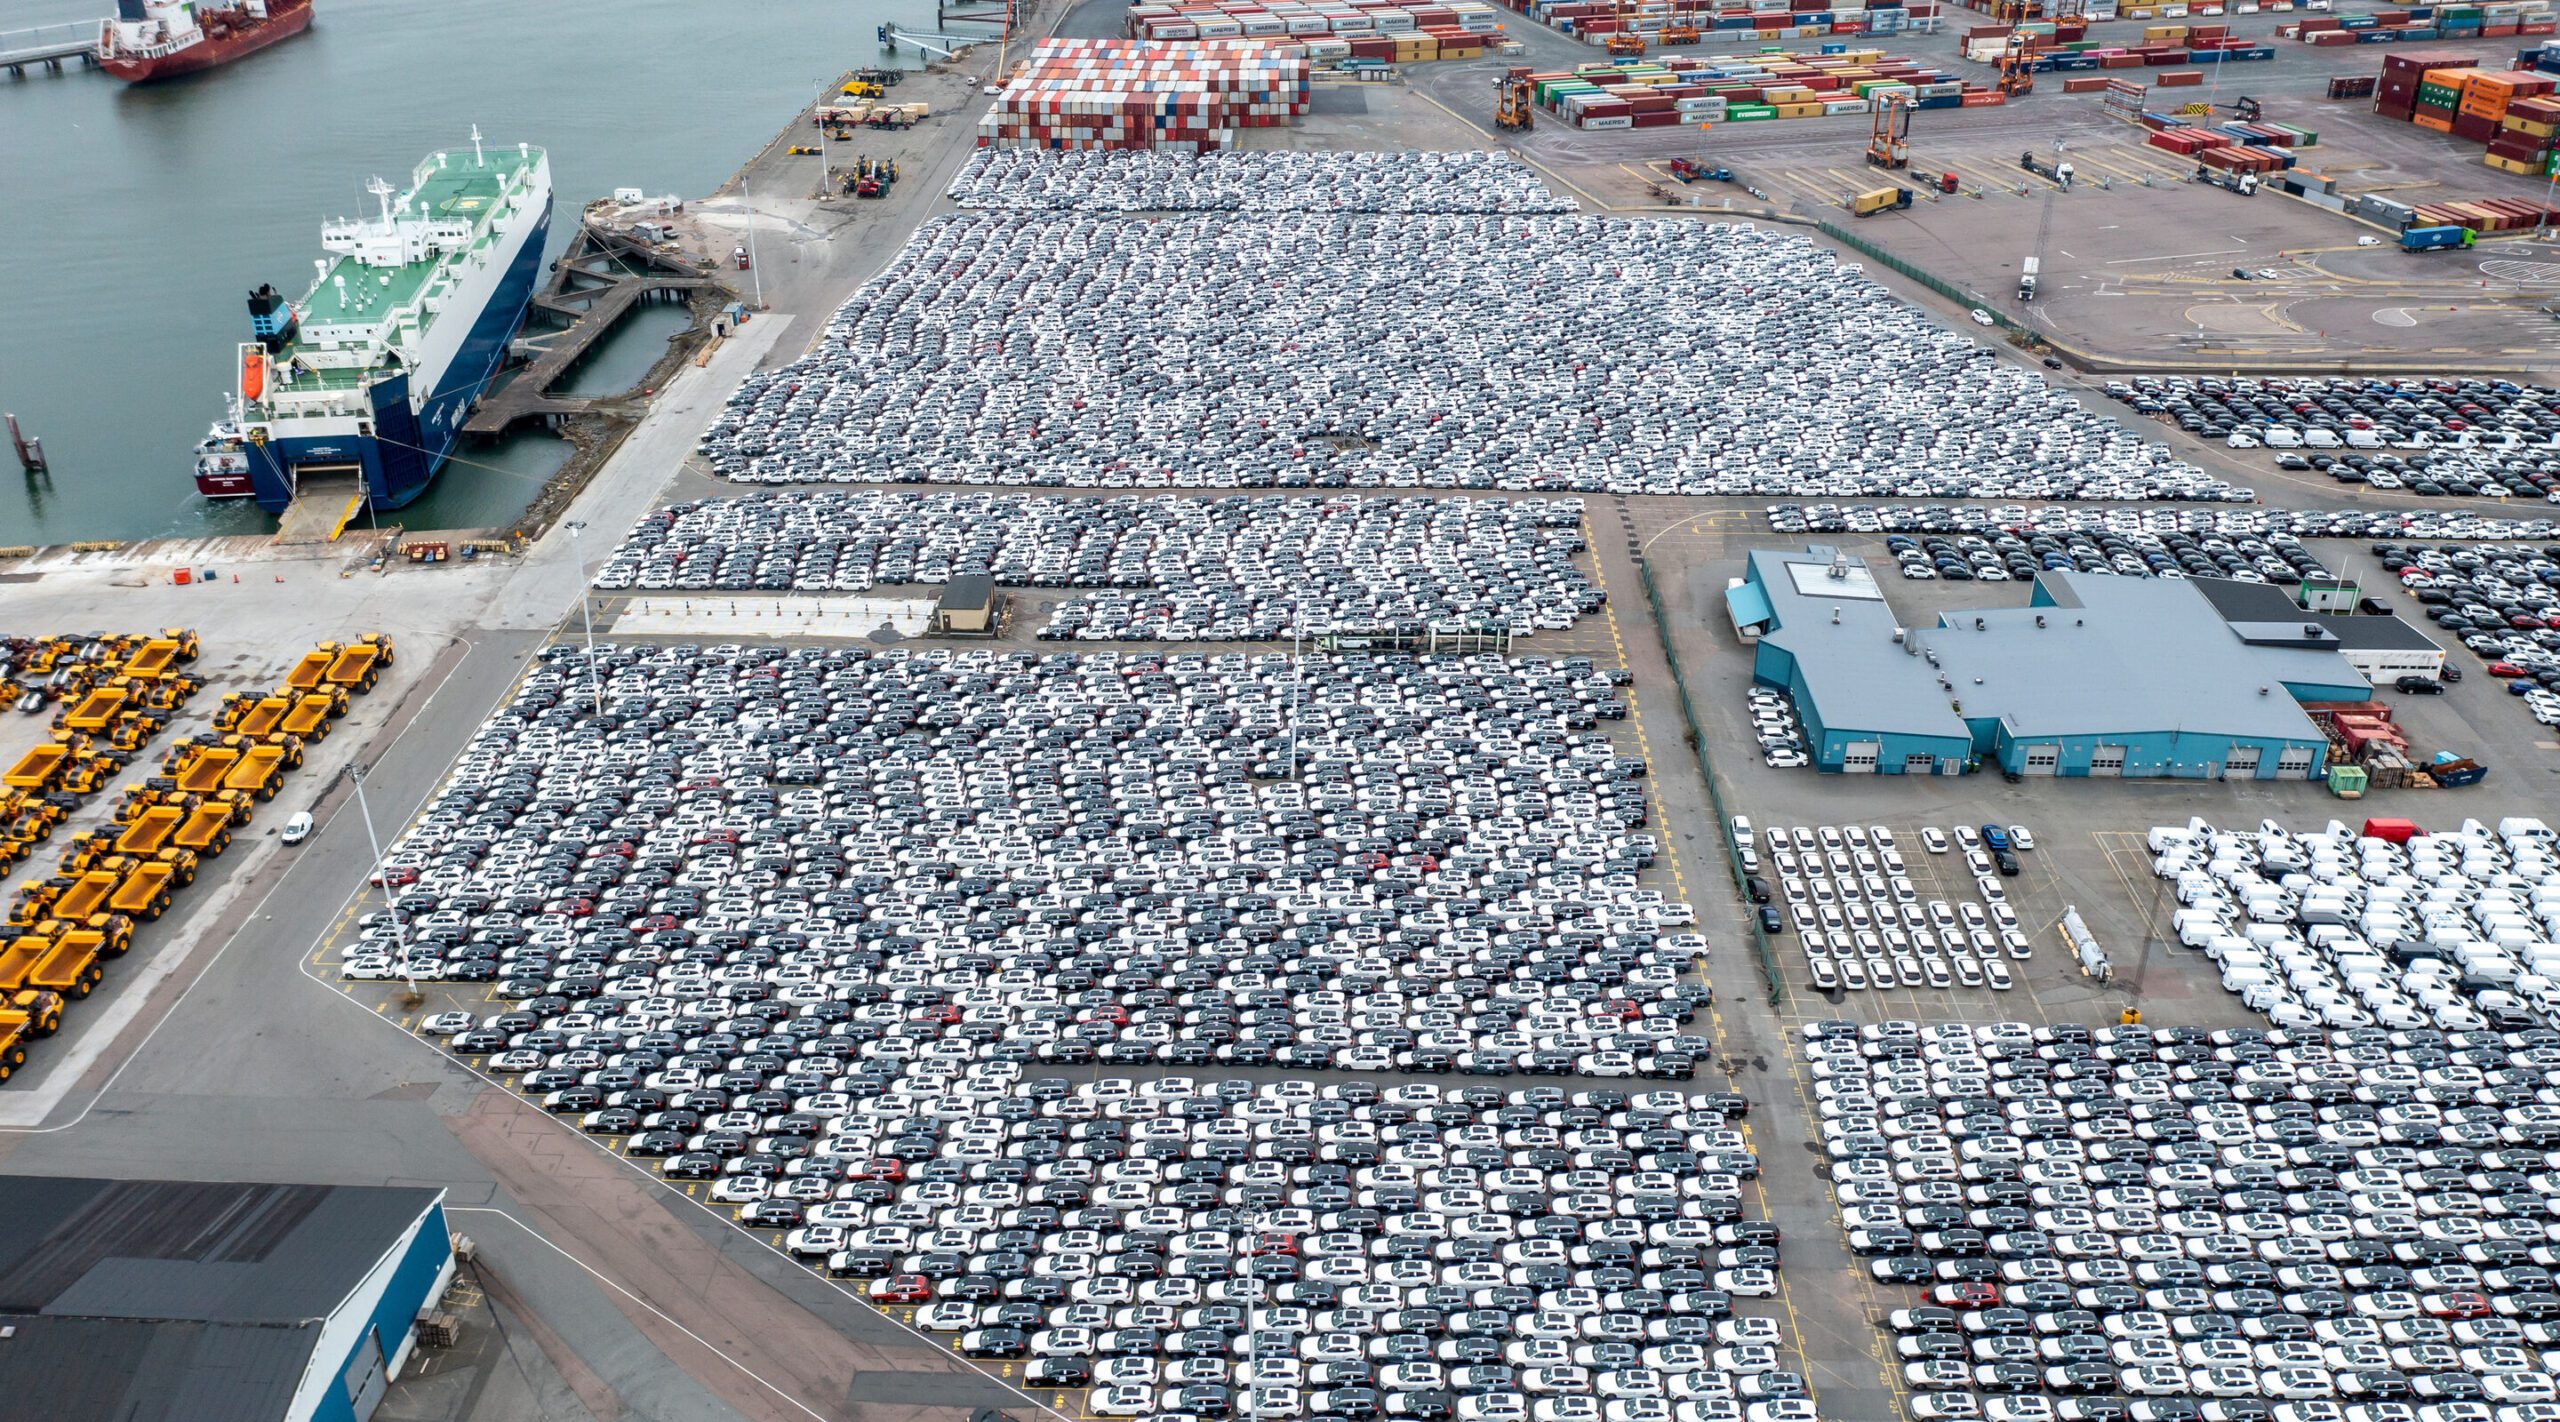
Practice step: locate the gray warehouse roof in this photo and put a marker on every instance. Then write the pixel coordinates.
(144, 1300)
(1859, 676)
(969, 592)
(2129, 655)
(2249, 605)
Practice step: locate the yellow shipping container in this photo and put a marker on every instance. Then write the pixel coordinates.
(2526, 125)
(2512, 165)
(1799, 110)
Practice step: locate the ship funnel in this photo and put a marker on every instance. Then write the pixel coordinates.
(131, 10)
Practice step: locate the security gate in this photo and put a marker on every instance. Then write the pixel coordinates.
(2294, 763)
(2240, 763)
(1859, 757)
(2043, 760)
(2106, 760)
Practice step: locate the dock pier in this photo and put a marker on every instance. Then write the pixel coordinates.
(48, 47)
(604, 275)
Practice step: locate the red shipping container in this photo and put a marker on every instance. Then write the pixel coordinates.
(2396, 831)
(2474, 129)
(2416, 62)
(1656, 118)
(2157, 58)
(2179, 78)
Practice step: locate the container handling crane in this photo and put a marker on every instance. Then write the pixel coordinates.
(2016, 66)
(1512, 112)
(1889, 143)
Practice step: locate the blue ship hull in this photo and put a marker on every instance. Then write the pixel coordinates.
(407, 449)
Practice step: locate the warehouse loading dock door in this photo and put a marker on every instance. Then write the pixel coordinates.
(1922, 763)
(364, 1378)
(2043, 760)
(1859, 757)
(2240, 763)
(2106, 761)
(2294, 763)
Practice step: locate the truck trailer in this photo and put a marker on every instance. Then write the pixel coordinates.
(2436, 239)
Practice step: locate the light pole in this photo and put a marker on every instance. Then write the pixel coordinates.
(1252, 1295)
(755, 264)
(586, 616)
(826, 183)
(390, 895)
(1297, 683)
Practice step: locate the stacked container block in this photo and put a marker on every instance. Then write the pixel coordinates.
(1688, 90)
(1100, 94)
(2514, 114)
(2426, 23)
(1712, 21)
(1332, 31)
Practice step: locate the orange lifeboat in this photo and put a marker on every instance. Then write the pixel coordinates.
(253, 373)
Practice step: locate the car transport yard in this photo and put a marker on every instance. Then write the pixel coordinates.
(1148, 804)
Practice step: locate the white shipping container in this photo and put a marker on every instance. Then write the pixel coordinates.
(1622, 121)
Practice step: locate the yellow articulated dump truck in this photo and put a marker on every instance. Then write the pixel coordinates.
(150, 830)
(359, 665)
(202, 772)
(145, 891)
(207, 830)
(263, 716)
(87, 895)
(260, 769)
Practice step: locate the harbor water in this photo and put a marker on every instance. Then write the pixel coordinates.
(141, 216)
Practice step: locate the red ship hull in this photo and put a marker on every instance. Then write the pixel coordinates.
(285, 19)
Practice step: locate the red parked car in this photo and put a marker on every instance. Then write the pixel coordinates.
(902, 1289)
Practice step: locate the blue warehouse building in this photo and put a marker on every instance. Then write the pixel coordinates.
(193, 1301)
(2096, 675)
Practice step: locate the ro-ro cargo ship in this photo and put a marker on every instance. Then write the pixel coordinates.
(162, 39)
(365, 381)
